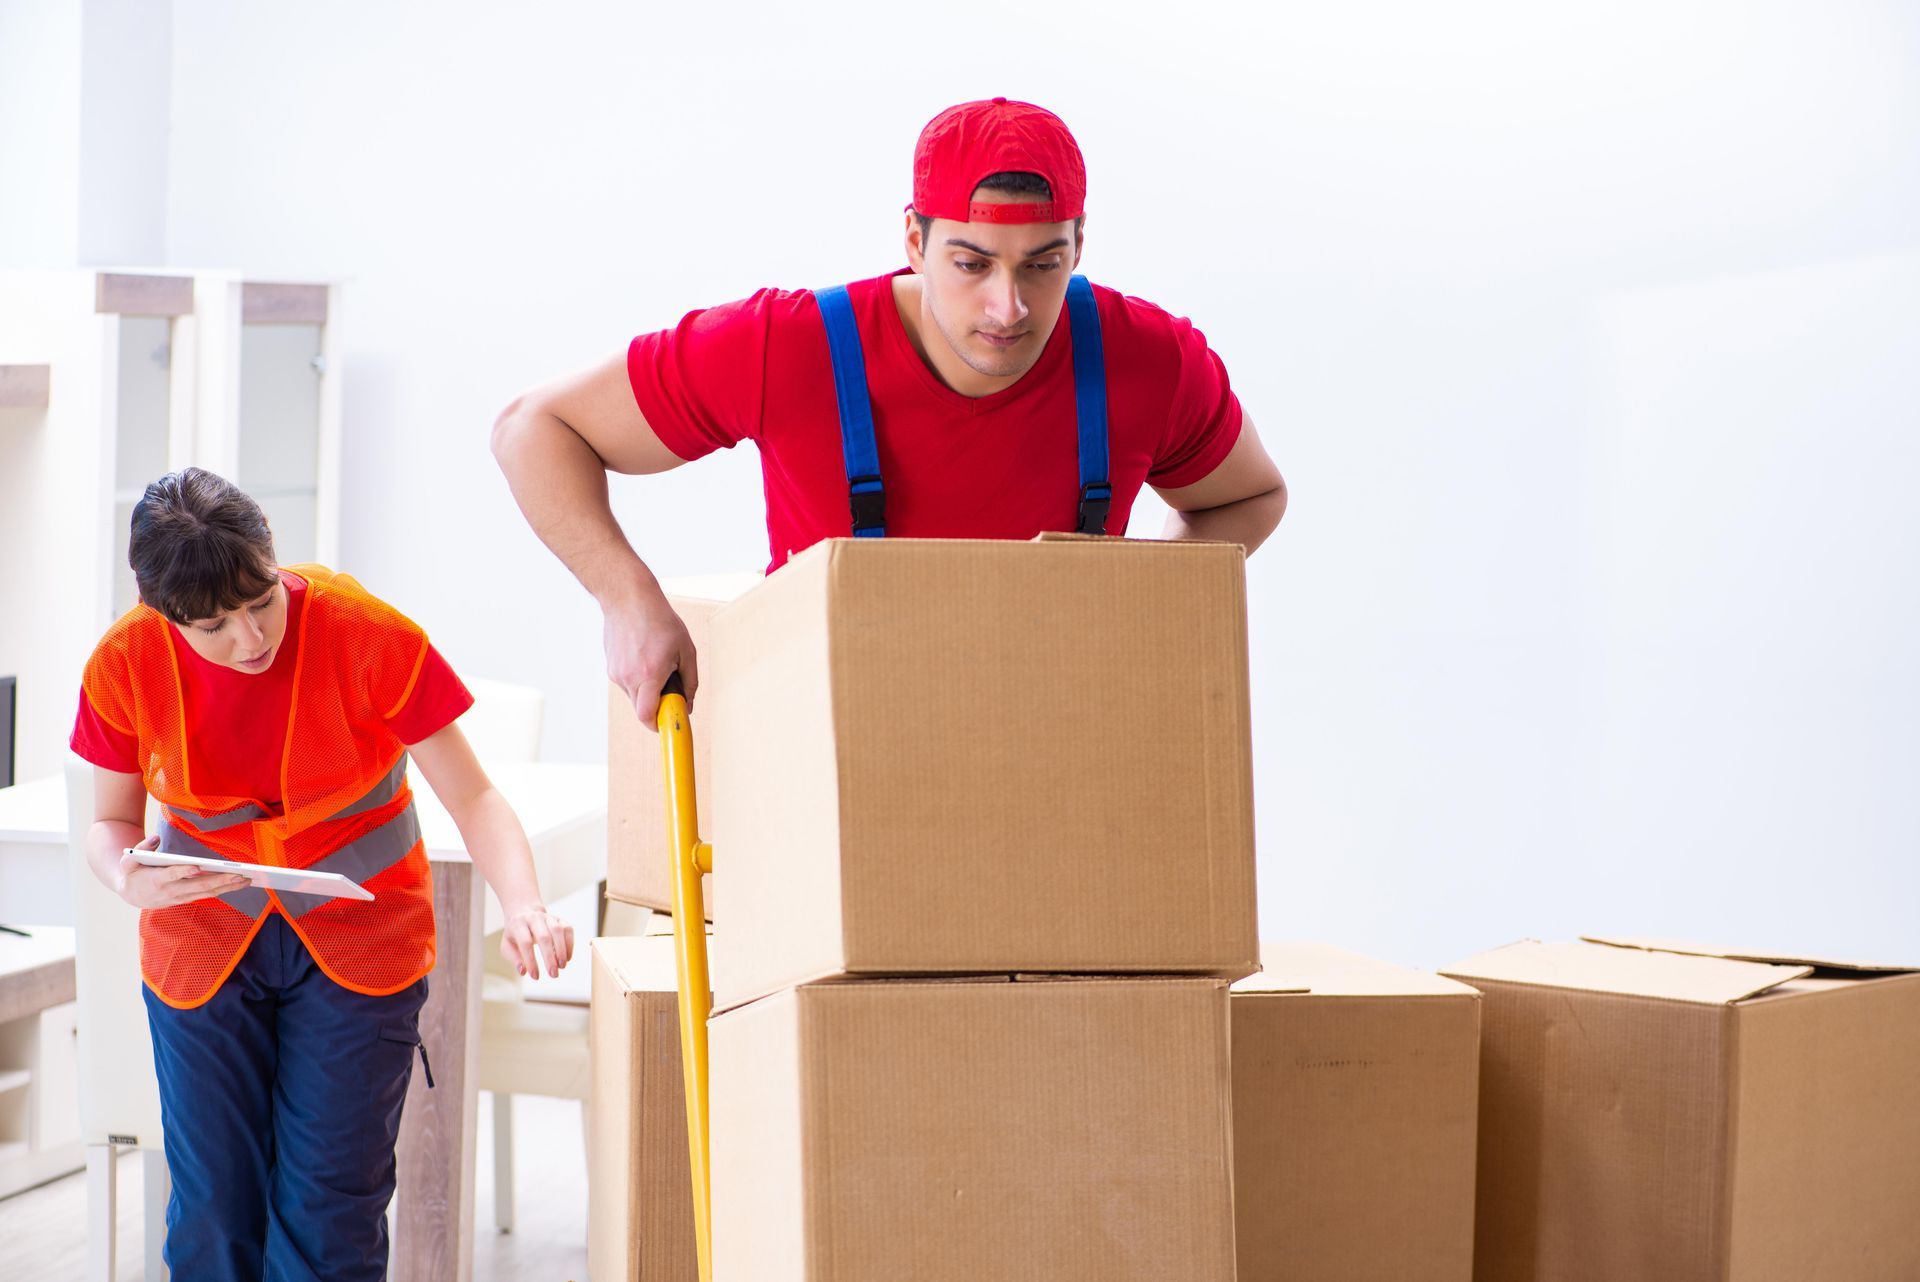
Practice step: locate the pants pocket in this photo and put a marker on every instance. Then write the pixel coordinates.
(408, 1036)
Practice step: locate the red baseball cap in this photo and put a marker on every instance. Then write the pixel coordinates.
(964, 144)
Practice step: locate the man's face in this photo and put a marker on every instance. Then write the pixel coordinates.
(994, 290)
(247, 639)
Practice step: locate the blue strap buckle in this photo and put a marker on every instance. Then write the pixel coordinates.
(868, 500)
(1096, 497)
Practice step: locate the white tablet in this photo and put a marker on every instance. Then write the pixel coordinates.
(303, 881)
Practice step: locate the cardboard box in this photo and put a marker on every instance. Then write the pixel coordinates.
(1671, 1113)
(639, 868)
(639, 1186)
(975, 757)
(1355, 1088)
(958, 1131)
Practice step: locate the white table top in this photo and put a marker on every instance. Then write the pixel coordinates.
(40, 946)
(35, 811)
(551, 798)
(564, 811)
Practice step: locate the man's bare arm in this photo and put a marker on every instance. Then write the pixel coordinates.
(556, 445)
(1240, 501)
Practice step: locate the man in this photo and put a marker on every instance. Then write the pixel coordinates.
(945, 400)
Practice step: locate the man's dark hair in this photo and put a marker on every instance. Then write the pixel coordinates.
(199, 546)
(1007, 184)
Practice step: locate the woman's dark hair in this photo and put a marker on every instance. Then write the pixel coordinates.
(199, 546)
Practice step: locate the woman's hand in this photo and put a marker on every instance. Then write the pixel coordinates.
(532, 933)
(145, 887)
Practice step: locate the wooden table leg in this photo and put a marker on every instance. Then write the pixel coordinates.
(433, 1221)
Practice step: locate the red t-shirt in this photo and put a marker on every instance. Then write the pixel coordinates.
(1003, 466)
(237, 721)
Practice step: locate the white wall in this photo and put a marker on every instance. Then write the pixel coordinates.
(1500, 283)
(53, 489)
(39, 132)
(125, 68)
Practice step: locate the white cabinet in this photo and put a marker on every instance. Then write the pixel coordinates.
(107, 381)
(39, 1099)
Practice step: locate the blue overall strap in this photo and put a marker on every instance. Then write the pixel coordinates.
(1090, 400)
(865, 494)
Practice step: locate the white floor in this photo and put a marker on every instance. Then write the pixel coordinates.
(43, 1230)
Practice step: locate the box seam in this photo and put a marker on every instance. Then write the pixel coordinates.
(1730, 1142)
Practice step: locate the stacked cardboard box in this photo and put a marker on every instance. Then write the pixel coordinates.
(971, 778)
(1671, 1113)
(1355, 1085)
(639, 868)
(639, 1186)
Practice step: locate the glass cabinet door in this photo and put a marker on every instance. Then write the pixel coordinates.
(279, 455)
(140, 434)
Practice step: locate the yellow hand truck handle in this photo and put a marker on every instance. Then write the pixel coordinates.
(691, 858)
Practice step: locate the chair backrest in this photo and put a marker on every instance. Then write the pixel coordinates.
(503, 724)
(119, 1095)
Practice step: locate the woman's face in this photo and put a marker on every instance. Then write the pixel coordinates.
(247, 639)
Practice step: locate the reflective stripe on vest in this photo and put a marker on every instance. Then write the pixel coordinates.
(860, 451)
(366, 855)
(379, 795)
(242, 814)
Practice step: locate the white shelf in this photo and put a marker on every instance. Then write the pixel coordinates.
(13, 1079)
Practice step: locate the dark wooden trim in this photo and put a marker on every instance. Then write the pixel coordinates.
(143, 295)
(433, 1220)
(28, 992)
(25, 386)
(270, 304)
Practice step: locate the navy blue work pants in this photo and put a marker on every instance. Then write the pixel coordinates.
(281, 1101)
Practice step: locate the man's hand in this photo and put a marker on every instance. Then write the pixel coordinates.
(647, 643)
(145, 887)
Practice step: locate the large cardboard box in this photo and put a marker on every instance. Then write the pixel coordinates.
(969, 757)
(1355, 1088)
(639, 1186)
(1671, 1113)
(959, 1131)
(639, 868)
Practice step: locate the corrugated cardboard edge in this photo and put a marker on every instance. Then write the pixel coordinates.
(840, 978)
(759, 1142)
(712, 589)
(1687, 948)
(725, 1002)
(1067, 536)
(1708, 981)
(819, 935)
(1294, 967)
(637, 966)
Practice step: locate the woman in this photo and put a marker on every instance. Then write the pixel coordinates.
(271, 710)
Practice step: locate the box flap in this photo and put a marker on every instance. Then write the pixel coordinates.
(1635, 973)
(1070, 536)
(718, 588)
(640, 963)
(1686, 948)
(1298, 966)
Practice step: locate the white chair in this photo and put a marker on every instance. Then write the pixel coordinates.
(504, 722)
(119, 1093)
(529, 1044)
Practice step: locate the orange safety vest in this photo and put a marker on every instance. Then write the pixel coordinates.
(345, 803)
